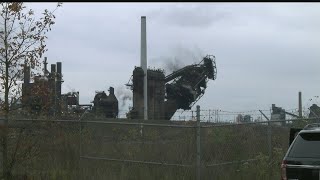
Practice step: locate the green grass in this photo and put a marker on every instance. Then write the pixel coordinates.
(55, 151)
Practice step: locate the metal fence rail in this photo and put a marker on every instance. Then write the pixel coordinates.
(232, 162)
(135, 161)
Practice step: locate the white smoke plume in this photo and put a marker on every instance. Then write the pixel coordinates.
(124, 96)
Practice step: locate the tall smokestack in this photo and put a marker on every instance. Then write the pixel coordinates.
(78, 99)
(26, 74)
(58, 87)
(53, 69)
(300, 105)
(26, 84)
(143, 58)
(111, 90)
(52, 82)
(45, 71)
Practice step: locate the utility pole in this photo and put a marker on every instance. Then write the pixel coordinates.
(218, 115)
(198, 145)
(300, 105)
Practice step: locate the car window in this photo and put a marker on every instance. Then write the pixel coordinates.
(306, 145)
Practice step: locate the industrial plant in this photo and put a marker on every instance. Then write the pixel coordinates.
(156, 95)
(166, 94)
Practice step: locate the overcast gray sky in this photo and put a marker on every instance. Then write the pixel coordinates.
(265, 52)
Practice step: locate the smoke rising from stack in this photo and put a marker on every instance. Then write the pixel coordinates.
(124, 95)
(171, 65)
(177, 58)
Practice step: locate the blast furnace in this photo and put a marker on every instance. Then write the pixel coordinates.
(166, 94)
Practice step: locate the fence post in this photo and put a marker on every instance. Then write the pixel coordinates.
(80, 134)
(269, 138)
(198, 145)
(141, 128)
(80, 142)
(270, 147)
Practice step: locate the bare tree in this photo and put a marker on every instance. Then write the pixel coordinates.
(22, 41)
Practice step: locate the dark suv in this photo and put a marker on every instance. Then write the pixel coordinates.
(302, 160)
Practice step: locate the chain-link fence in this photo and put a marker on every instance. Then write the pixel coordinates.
(42, 149)
(136, 149)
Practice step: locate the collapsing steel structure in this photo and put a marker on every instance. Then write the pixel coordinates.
(166, 94)
(156, 96)
(314, 111)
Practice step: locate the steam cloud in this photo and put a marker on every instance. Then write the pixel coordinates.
(178, 58)
(173, 65)
(124, 95)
